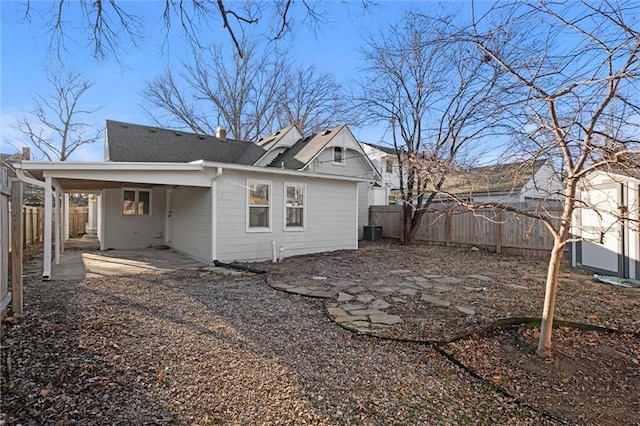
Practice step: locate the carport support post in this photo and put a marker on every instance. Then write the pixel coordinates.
(16, 247)
(48, 200)
(56, 206)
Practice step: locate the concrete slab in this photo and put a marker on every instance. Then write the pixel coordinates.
(77, 265)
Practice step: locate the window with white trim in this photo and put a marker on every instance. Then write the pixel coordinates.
(136, 202)
(389, 164)
(259, 205)
(294, 205)
(338, 155)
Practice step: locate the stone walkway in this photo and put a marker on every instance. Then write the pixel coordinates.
(365, 309)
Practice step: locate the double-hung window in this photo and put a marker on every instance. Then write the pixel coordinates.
(136, 202)
(294, 206)
(259, 206)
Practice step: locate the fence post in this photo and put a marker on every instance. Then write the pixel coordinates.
(447, 230)
(498, 225)
(16, 247)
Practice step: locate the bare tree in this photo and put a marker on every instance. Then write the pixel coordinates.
(107, 23)
(435, 96)
(573, 97)
(57, 124)
(250, 95)
(244, 95)
(313, 101)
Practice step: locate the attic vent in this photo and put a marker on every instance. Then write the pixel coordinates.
(201, 137)
(178, 134)
(260, 140)
(125, 126)
(152, 130)
(276, 133)
(326, 132)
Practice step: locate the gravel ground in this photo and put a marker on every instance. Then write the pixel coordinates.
(205, 347)
(196, 348)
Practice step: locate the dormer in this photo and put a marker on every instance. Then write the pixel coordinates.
(276, 143)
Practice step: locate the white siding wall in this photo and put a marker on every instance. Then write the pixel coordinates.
(331, 218)
(544, 185)
(355, 165)
(191, 221)
(363, 207)
(133, 232)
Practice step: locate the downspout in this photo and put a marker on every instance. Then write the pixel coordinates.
(48, 193)
(214, 214)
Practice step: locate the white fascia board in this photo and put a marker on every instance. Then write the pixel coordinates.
(285, 172)
(148, 173)
(158, 172)
(101, 165)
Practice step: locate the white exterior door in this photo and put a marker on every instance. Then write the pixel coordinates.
(602, 246)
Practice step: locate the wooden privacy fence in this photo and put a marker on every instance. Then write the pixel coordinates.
(78, 218)
(496, 230)
(5, 195)
(33, 220)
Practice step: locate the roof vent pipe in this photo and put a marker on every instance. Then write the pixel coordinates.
(221, 133)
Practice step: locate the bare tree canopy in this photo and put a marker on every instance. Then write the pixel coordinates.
(250, 95)
(56, 126)
(571, 93)
(437, 97)
(108, 23)
(313, 101)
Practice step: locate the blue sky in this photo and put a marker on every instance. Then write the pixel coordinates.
(24, 47)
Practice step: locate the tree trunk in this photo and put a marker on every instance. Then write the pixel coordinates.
(407, 231)
(553, 271)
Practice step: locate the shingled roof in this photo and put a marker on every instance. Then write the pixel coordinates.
(498, 178)
(136, 143)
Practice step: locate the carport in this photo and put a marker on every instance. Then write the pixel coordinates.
(58, 179)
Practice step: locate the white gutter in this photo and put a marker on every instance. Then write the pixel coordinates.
(285, 172)
(48, 193)
(101, 165)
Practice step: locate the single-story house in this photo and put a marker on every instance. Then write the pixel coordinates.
(605, 230)
(215, 198)
(516, 182)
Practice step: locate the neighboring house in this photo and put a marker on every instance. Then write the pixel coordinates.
(606, 229)
(385, 160)
(31, 195)
(215, 198)
(506, 183)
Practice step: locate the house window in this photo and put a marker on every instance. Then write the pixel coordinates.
(389, 164)
(294, 208)
(136, 202)
(259, 211)
(338, 155)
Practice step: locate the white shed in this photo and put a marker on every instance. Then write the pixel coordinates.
(606, 230)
